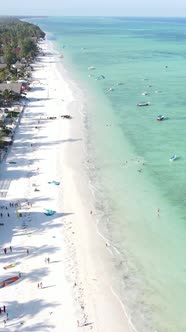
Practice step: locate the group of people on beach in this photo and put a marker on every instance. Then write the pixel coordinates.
(11, 204)
(5, 250)
(47, 260)
(40, 285)
(3, 311)
(10, 250)
(1, 214)
(4, 207)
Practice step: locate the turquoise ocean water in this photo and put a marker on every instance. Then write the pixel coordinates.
(129, 151)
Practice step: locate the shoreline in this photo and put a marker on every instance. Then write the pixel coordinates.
(80, 265)
(81, 180)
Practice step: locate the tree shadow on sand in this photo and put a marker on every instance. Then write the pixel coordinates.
(19, 254)
(38, 327)
(27, 310)
(27, 225)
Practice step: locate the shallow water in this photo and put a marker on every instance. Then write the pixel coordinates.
(129, 151)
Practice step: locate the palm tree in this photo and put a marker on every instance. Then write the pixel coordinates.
(6, 95)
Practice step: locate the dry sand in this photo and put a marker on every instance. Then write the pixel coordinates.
(77, 281)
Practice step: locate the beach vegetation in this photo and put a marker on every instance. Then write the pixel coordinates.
(18, 39)
(6, 95)
(9, 56)
(10, 96)
(28, 49)
(18, 48)
(13, 114)
(4, 130)
(4, 74)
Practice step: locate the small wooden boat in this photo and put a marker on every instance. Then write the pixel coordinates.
(54, 182)
(51, 117)
(49, 212)
(8, 281)
(174, 157)
(66, 116)
(9, 266)
(160, 117)
(143, 104)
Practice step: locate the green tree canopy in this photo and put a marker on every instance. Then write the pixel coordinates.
(28, 48)
(9, 56)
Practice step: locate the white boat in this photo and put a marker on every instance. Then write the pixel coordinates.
(91, 68)
(101, 77)
(160, 117)
(143, 103)
(174, 157)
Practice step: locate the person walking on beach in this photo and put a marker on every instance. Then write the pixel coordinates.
(27, 251)
(4, 322)
(4, 308)
(5, 250)
(38, 285)
(10, 248)
(41, 285)
(48, 260)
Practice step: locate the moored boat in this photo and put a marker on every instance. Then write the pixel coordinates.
(174, 157)
(160, 117)
(146, 103)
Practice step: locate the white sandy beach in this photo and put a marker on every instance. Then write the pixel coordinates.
(77, 283)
